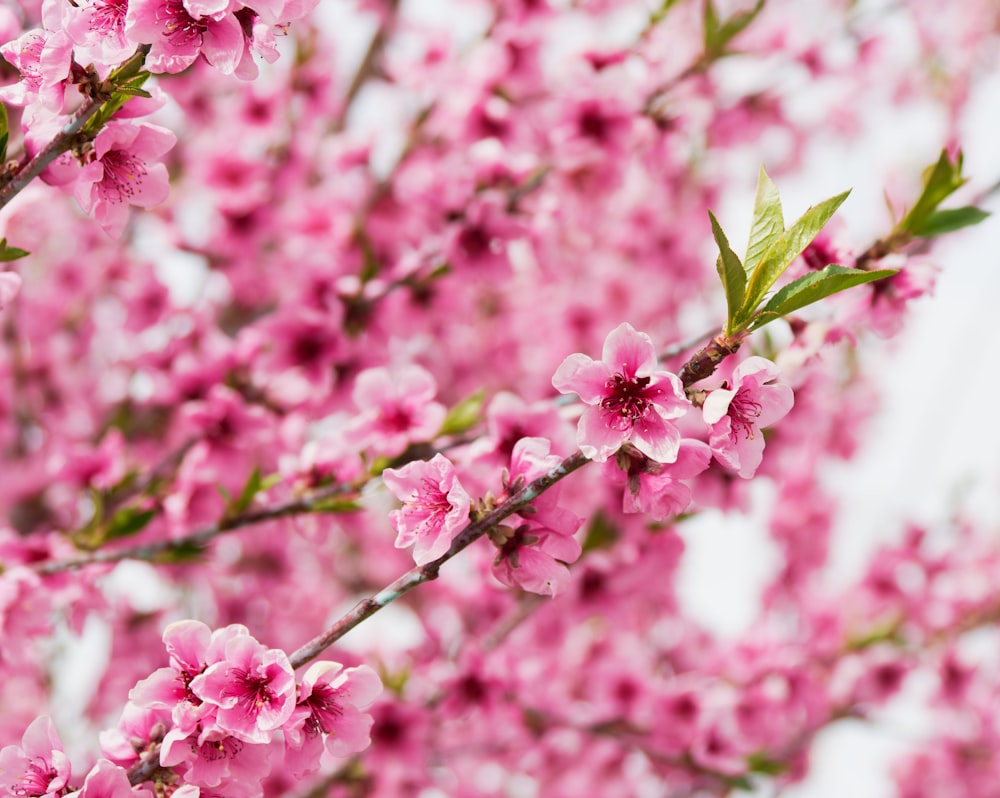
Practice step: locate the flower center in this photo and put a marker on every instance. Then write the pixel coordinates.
(122, 175)
(180, 27)
(627, 401)
(252, 693)
(431, 500)
(743, 414)
(325, 710)
(36, 779)
(108, 15)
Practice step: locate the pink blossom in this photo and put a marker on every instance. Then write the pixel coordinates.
(210, 758)
(37, 767)
(106, 780)
(628, 398)
(658, 490)
(252, 687)
(10, 286)
(737, 414)
(330, 704)
(122, 172)
(397, 408)
(181, 30)
(435, 506)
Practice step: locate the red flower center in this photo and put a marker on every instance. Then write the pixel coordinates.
(627, 401)
(743, 414)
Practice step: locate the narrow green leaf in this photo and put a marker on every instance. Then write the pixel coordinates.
(179, 553)
(601, 533)
(719, 34)
(939, 222)
(250, 489)
(133, 91)
(734, 279)
(336, 504)
(464, 415)
(127, 522)
(940, 181)
(4, 134)
(786, 248)
(11, 253)
(768, 222)
(815, 286)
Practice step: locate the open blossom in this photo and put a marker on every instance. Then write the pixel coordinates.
(397, 408)
(659, 490)
(181, 30)
(435, 506)
(329, 714)
(253, 689)
(629, 398)
(124, 171)
(37, 767)
(736, 413)
(106, 780)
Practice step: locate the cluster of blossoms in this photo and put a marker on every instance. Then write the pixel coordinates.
(224, 714)
(81, 45)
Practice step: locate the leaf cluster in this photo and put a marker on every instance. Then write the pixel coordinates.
(772, 248)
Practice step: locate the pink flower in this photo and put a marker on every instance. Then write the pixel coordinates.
(37, 767)
(535, 546)
(629, 398)
(736, 414)
(122, 172)
(659, 491)
(253, 688)
(181, 30)
(331, 700)
(10, 286)
(397, 408)
(106, 780)
(435, 506)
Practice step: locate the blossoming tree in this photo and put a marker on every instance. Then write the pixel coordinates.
(420, 319)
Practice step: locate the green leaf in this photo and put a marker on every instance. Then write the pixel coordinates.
(127, 522)
(336, 504)
(464, 415)
(815, 286)
(10, 253)
(786, 248)
(718, 34)
(768, 222)
(939, 222)
(655, 17)
(734, 278)
(250, 489)
(133, 91)
(940, 181)
(180, 553)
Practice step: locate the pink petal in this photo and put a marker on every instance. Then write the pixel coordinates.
(628, 351)
(595, 438)
(656, 438)
(583, 376)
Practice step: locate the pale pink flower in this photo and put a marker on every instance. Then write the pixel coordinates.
(123, 171)
(736, 414)
(397, 408)
(628, 398)
(435, 506)
(37, 767)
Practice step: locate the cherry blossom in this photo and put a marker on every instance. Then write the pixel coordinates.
(628, 398)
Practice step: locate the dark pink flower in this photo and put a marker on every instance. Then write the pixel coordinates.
(737, 413)
(628, 398)
(181, 30)
(435, 506)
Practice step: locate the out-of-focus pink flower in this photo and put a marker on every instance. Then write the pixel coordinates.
(10, 287)
(629, 398)
(106, 780)
(737, 414)
(397, 408)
